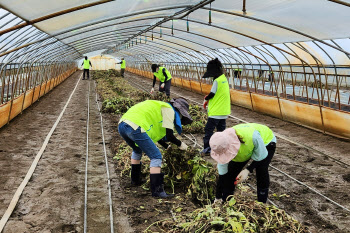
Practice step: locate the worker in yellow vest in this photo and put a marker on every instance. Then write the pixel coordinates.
(86, 65)
(122, 67)
(164, 77)
(237, 72)
(218, 102)
(233, 148)
(149, 122)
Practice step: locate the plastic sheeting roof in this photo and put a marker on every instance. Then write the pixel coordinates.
(117, 25)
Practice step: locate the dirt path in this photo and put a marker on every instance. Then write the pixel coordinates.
(319, 172)
(53, 200)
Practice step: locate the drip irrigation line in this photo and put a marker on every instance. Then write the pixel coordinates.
(107, 168)
(299, 182)
(195, 140)
(278, 135)
(312, 189)
(269, 200)
(86, 160)
(31, 170)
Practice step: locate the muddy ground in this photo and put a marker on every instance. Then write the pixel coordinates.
(317, 171)
(53, 201)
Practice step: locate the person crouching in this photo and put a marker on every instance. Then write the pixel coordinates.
(149, 122)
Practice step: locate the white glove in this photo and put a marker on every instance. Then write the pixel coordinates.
(242, 176)
(183, 146)
(217, 201)
(162, 86)
(152, 90)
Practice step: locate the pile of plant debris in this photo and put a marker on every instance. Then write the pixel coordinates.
(199, 117)
(97, 74)
(117, 105)
(186, 172)
(239, 214)
(193, 179)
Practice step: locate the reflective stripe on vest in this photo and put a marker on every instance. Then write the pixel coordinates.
(160, 74)
(245, 132)
(122, 66)
(220, 104)
(86, 64)
(148, 115)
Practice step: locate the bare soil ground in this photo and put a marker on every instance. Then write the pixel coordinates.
(53, 201)
(319, 172)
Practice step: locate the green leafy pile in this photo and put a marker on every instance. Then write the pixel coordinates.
(199, 117)
(98, 74)
(117, 105)
(191, 174)
(123, 160)
(240, 214)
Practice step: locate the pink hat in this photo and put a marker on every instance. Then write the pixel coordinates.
(224, 145)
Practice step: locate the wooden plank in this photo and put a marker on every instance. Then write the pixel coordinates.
(36, 93)
(4, 113)
(301, 113)
(336, 122)
(206, 88)
(186, 84)
(196, 87)
(28, 99)
(266, 104)
(16, 106)
(241, 98)
(43, 87)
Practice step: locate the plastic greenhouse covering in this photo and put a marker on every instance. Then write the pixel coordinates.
(298, 41)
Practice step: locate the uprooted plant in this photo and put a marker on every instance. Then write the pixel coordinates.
(97, 74)
(189, 173)
(239, 214)
(117, 105)
(199, 120)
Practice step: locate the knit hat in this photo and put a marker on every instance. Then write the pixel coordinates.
(154, 67)
(224, 145)
(182, 106)
(214, 69)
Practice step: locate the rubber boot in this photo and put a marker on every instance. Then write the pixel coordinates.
(262, 195)
(136, 175)
(157, 186)
(206, 151)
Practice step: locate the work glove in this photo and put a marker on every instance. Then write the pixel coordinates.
(183, 146)
(152, 90)
(242, 176)
(205, 102)
(162, 85)
(217, 202)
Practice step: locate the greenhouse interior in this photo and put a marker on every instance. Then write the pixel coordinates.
(174, 116)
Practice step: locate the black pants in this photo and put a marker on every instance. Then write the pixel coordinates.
(226, 187)
(122, 71)
(219, 124)
(166, 88)
(237, 73)
(87, 72)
